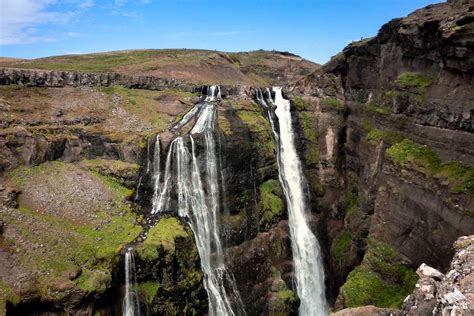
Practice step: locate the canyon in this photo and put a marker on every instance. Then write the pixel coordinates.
(381, 146)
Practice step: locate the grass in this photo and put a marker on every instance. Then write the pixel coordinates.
(381, 280)
(415, 80)
(148, 290)
(374, 136)
(332, 102)
(103, 62)
(163, 234)
(67, 246)
(458, 177)
(378, 109)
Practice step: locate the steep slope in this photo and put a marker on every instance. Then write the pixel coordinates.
(394, 121)
(199, 66)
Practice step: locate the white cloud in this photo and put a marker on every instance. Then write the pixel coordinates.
(19, 19)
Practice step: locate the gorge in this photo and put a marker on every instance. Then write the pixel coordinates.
(129, 188)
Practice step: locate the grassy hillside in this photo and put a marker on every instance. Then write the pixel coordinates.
(257, 67)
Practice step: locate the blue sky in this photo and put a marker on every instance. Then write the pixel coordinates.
(314, 29)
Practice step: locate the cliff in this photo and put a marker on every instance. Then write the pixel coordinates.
(394, 119)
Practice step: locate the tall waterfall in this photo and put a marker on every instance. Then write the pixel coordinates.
(308, 266)
(194, 181)
(130, 304)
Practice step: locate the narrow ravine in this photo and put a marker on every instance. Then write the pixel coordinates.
(308, 266)
(190, 185)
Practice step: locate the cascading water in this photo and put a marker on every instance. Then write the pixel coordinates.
(308, 266)
(130, 304)
(198, 201)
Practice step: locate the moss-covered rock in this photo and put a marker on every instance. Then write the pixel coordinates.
(457, 176)
(168, 270)
(381, 280)
(271, 206)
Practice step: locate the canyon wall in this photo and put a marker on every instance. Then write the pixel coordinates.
(394, 120)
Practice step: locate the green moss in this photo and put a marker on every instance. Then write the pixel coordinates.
(380, 280)
(93, 281)
(366, 288)
(332, 102)
(414, 79)
(298, 102)
(287, 295)
(163, 234)
(458, 177)
(148, 290)
(374, 136)
(261, 132)
(378, 108)
(270, 205)
(310, 134)
(340, 247)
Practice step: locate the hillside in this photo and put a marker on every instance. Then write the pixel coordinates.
(200, 66)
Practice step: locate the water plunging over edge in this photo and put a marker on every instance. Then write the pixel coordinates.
(130, 304)
(308, 266)
(183, 173)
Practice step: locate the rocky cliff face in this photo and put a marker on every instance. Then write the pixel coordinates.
(65, 141)
(394, 124)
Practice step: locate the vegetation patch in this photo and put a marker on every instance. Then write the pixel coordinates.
(415, 80)
(340, 249)
(378, 109)
(64, 249)
(458, 177)
(270, 205)
(298, 102)
(332, 102)
(380, 280)
(374, 136)
(147, 290)
(261, 131)
(310, 134)
(163, 235)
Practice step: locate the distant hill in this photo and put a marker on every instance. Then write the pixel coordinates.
(256, 67)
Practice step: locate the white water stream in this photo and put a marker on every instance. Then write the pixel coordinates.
(195, 182)
(308, 266)
(130, 304)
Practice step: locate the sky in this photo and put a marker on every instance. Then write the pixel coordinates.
(316, 29)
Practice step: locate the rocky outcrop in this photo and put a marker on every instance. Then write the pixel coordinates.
(394, 130)
(445, 294)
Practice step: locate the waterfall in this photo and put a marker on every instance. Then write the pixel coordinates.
(195, 184)
(308, 266)
(130, 304)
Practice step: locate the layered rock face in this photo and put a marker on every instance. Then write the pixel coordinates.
(394, 121)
